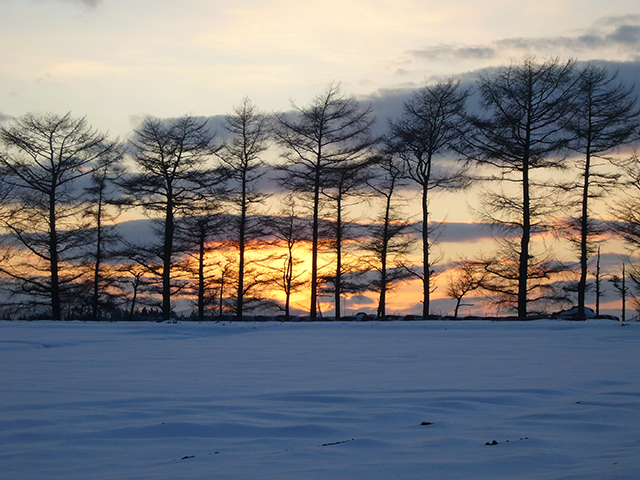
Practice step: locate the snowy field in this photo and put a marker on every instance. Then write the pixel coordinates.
(412, 400)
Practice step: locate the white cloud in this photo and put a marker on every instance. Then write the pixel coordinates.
(88, 3)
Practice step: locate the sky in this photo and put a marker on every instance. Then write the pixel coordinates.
(116, 61)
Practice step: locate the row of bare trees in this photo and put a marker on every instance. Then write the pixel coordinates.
(543, 139)
(548, 117)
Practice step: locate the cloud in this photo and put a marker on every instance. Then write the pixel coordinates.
(611, 262)
(456, 52)
(361, 300)
(621, 32)
(86, 3)
(618, 20)
(387, 103)
(626, 35)
(458, 232)
(4, 117)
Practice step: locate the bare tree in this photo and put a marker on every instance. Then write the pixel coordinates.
(102, 211)
(467, 277)
(289, 231)
(345, 186)
(46, 156)
(332, 131)
(390, 239)
(423, 137)
(133, 285)
(606, 118)
(5, 188)
(197, 234)
(250, 133)
(633, 273)
(626, 213)
(626, 207)
(620, 284)
(6, 250)
(501, 281)
(226, 275)
(174, 173)
(598, 282)
(528, 106)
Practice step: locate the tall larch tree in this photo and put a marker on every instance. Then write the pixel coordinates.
(526, 107)
(43, 159)
(606, 118)
(249, 131)
(425, 137)
(333, 131)
(173, 158)
(390, 239)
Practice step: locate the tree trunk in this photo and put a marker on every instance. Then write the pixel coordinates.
(338, 280)
(241, 248)
(458, 302)
(523, 267)
(169, 228)
(598, 284)
(136, 284)
(582, 283)
(201, 276)
(426, 280)
(96, 270)
(624, 295)
(382, 303)
(56, 312)
(221, 299)
(314, 245)
(288, 284)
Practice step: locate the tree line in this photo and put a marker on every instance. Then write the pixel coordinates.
(546, 141)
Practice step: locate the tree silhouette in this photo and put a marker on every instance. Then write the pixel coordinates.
(332, 131)
(345, 186)
(289, 231)
(45, 158)
(197, 234)
(427, 131)
(250, 133)
(172, 158)
(389, 239)
(626, 208)
(102, 210)
(620, 284)
(606, 117)
(468, 276)
(527, 108)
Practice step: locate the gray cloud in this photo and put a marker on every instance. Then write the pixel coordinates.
(455, 51)
(618, 20)
(476, 52)
(621, 31)
(459, 232)
(401, 72)
(626, 35)
(623, 36)
(387, 103)
(4, 117)
(456, 232)
(362, 300)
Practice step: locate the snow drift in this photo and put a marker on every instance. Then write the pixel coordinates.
(413, 400)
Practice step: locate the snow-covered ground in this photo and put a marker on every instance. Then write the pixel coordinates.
(408, 400)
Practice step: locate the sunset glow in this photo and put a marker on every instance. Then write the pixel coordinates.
(163, 59)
